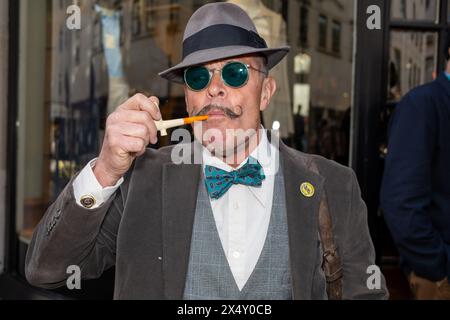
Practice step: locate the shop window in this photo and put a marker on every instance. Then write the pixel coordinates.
(414, 10)
(419, 51)
(403, 9)
(72, 80)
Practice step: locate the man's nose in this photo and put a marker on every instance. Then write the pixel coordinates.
(216, 87)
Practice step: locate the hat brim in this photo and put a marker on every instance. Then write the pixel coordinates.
(175, 74)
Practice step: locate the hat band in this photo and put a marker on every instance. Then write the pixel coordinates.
(222, 35)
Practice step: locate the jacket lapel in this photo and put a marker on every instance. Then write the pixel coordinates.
(303, 219)
(180, 188)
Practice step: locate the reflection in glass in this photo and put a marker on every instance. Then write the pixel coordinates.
(73, 87)
(336, 36)
(303, 34)
(414, 10)
(322, 82)
(413, 61)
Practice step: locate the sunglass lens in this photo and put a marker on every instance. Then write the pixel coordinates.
(235, 74)
(197, 78)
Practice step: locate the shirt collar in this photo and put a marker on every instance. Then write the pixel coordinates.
(265, 154)
(448, 75)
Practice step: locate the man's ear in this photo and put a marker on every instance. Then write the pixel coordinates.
(269, 88)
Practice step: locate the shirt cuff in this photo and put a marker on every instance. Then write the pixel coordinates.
(88, 192)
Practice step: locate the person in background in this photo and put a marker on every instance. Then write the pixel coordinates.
(415, 193)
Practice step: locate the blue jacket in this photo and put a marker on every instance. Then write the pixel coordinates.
(415, 193)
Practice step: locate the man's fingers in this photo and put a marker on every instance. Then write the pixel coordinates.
(138, 117)
(155, 100)
(129, 130)
(135, 130)
(151, 105)
(134, 116)
(133, 145)
(141, 102)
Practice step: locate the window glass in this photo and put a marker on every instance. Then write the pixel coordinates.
(336, 36)
(303, 32)
(323, 29)
(413, 61)
(414, 10)
(72, 79)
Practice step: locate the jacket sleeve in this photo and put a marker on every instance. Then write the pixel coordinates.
(70, 235)
(407, 187)
(361, 278)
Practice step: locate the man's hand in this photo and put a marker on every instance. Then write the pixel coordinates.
(128, 132)
(424, 289)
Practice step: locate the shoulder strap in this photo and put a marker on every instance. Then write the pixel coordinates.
(331, 261)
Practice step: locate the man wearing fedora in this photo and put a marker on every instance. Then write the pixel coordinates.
(253, 219)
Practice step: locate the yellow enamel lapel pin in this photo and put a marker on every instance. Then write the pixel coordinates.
(307, 189)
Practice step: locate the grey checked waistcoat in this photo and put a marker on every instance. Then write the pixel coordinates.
(209, 276)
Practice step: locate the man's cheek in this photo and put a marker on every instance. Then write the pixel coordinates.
(191, 110)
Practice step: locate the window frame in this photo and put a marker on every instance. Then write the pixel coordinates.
(322, 37)
(336, 49)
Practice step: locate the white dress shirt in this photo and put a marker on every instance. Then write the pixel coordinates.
(86, 184)
(242, 215)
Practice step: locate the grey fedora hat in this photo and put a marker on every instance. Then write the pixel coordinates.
(219, 31)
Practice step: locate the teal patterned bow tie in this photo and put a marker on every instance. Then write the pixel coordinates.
(219, 181)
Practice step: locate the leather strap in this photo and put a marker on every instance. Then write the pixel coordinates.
(332, 266)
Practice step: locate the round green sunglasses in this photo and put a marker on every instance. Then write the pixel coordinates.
(234, 74)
